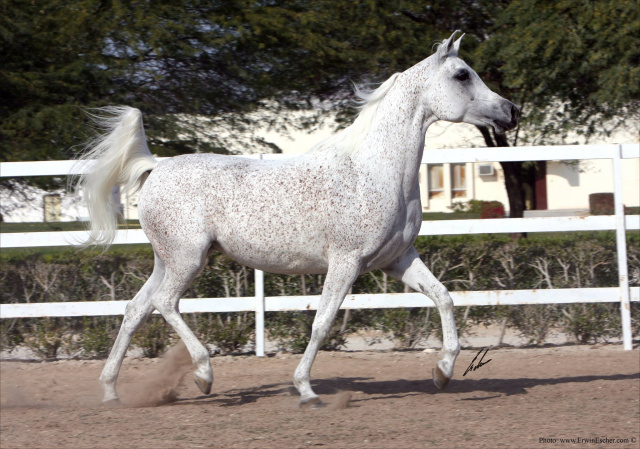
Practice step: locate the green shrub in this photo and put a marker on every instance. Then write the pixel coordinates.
(154, 337)
(291, 331)
(534, 321)
(486, 209)
(229, 332)
(11, 334)
(48, 337)
(467, 262)
(409, 327)
(98, 335)
(592, 322)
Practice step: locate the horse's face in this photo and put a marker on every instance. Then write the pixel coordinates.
(457, 94)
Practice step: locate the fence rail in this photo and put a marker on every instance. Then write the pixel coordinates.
(618, 222)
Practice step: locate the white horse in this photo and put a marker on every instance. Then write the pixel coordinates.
(348, 206)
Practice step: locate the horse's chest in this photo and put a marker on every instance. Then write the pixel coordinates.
(392, 233)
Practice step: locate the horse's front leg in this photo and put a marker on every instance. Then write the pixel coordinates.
(340, 277)
(413, 272)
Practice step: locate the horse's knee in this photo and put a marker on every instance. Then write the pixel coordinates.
(134, 316)
(452, 347)
(319, 331)
(132, 311)
(442, 299)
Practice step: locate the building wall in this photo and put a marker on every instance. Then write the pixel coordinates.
(486, 188)
(569, 185)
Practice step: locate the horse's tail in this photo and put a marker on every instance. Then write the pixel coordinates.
(120, 157)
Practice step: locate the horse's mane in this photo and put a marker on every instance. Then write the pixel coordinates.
(348, 140)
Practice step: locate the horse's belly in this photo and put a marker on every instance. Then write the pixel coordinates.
(282, 238)
(283, 256)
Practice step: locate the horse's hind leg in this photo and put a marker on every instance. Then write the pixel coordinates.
(413, 272)
(182, 270)
(137, 312)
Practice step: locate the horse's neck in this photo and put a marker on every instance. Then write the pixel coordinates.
(395, 142)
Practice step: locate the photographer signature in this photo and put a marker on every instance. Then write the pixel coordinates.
(480, 363)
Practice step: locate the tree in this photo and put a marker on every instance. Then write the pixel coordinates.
(234, 64)
(205, 72)
(165, 58)
(571, 65)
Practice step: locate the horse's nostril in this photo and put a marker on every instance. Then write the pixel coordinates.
(515, 111)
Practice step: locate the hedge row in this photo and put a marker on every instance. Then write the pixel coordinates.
(461, 263)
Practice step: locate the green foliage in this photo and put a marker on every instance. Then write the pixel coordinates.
(232, 64)
(534, 321)
(11, 334)
(635, 318)
(592, 322)
(409, 327)
(229, 332)
(154, 337)
(485, 209)
(291, 331)
(98, 334)
(570, 64)
(46, 337)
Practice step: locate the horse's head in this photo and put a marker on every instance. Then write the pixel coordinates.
(457, 94)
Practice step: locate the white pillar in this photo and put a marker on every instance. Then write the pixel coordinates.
(259, 286)
(447, 184)
(621, 244)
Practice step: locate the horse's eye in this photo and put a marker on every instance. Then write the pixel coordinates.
(462, 75)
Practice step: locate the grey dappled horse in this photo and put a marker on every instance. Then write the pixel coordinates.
(348, 206)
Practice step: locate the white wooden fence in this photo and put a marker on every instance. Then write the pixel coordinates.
(622, 294)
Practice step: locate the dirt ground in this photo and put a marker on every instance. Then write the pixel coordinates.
(531, 397)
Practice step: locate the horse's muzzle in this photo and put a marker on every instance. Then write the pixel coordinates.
(512, 115)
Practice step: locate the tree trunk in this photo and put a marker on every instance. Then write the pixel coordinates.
(514, 177)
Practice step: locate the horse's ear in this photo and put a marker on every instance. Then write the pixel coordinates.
(449, 47)
(456, 44)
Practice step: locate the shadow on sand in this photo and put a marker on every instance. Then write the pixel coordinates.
(397, 388)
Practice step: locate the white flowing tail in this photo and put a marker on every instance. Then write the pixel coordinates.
(121, 157)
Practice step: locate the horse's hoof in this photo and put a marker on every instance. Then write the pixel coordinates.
(311, 403)
(439, 379)
(112, 403)
(203, 385)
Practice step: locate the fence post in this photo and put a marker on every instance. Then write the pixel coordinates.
(621, 244)
(259, 286)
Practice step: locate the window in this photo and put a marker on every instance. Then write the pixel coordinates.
(459, 180)
(436, 181)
